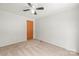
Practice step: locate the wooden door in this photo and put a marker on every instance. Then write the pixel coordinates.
(29, 30)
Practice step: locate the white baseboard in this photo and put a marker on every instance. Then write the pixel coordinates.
(54, 43)
(10, 42)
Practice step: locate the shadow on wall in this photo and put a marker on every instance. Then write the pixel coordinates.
(77, 41)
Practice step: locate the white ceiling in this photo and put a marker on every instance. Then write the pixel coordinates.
(17, 8)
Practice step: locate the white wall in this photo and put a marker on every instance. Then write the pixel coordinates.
(59, 28)
(12, 28)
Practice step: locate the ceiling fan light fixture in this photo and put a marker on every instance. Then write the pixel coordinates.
(32, 10)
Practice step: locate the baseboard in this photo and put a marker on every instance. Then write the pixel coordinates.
(10, 42)
(71, 51)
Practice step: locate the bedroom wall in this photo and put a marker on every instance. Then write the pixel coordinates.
(60, 28)
(12, 28)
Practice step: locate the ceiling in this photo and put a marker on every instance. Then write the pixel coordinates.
(17, 8)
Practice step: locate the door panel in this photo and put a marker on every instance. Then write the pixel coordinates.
(29, 30)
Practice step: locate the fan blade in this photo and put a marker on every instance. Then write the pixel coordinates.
(35, 13)
(26, 10)
(29, 4)
(40, 8)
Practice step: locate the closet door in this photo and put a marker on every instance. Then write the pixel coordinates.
(29, 30)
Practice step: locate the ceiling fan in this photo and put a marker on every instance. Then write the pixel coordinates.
(33, 8)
